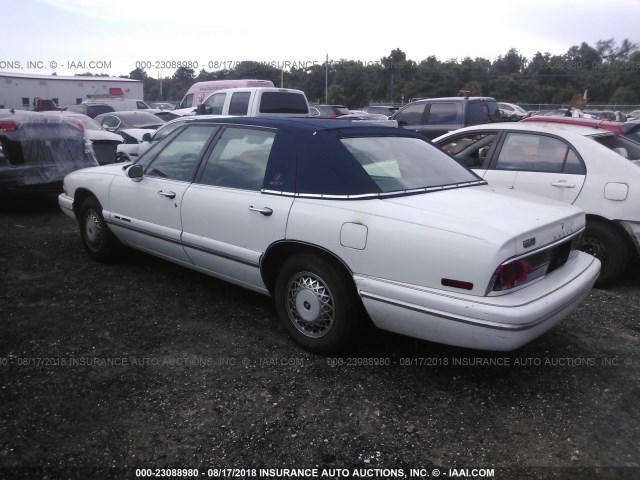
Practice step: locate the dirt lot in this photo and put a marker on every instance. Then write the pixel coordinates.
(106, 369)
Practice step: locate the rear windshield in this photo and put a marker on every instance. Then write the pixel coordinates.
(283, 102)
(622, 146)
(399, 164)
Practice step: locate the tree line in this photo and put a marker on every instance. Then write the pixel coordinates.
(609, 71)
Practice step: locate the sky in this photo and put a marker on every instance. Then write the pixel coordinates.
(114, 37)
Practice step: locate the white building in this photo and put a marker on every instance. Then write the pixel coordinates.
(19, 90)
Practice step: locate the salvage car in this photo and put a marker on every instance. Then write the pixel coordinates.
(116, 121)
(104, 143)
(593, 169)
(38, 149)
(334, 219)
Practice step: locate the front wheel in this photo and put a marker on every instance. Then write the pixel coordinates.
(608, 246)
(316, 303)
(98, 241)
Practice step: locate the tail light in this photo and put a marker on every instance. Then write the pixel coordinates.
(519, 271)
(7, 126)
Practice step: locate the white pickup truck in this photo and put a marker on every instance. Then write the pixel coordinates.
(256, 102)
(246, 102)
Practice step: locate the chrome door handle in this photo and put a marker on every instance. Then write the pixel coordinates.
(167, 194)
(563, 184)
(266, 211)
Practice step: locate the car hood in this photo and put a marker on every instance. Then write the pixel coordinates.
(136, 133)
(102, 135)
(492, 214)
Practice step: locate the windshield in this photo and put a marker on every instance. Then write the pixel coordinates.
(399, 164)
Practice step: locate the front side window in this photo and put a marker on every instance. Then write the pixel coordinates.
(472, 148)
(411, 115)
(239, 159)
(397, 164)
(537, 153)
(177, 160)
(213, 105)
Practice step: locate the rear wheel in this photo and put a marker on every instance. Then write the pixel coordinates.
(317, 303)
(98, 241)
(609, 246)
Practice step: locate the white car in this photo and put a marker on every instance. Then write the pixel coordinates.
(593, 169)
(330, 216)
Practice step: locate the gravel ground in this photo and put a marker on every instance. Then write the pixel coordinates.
(109, 369)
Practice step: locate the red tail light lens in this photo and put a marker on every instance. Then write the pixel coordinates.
(512, 274)
(8, 126)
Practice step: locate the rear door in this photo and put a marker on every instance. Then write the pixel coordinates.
(538, 163)
(227, 220)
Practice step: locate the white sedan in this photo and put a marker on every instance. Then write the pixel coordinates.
(336, 220)
(593, 169)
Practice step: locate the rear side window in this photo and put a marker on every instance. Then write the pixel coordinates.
(239, 159)
(538, 153)
(283, 102)
(239, 104)
(478, 113)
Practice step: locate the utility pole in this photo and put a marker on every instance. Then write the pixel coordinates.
(326, 81)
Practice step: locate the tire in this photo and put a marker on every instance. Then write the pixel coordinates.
(317, 304)
(609, 246)
(98, 241)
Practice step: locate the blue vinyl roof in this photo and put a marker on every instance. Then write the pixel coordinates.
(308, 158)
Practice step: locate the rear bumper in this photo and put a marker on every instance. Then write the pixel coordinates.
(499, 323)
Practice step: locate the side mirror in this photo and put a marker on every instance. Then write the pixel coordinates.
(200, 110)
(135, 173)
(146, 137)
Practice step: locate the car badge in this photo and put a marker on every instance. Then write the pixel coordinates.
(529, 242)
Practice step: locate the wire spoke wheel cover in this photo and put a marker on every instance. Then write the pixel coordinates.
(97, 239)
(317, 302)
(93, 229)
(310, 305)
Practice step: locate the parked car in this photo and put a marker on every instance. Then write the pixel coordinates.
(120, 104)
(512, 112)
(163, 106)
(593, 169)
(38, 149)
(90, 109)
(164, 115)
(437, 116)
(611, 115)
(327, 111)
(329, 216)
(387, 110)
(116, 121)
(377, 118)
(634, 115)
(629, 130)
(104, 143)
